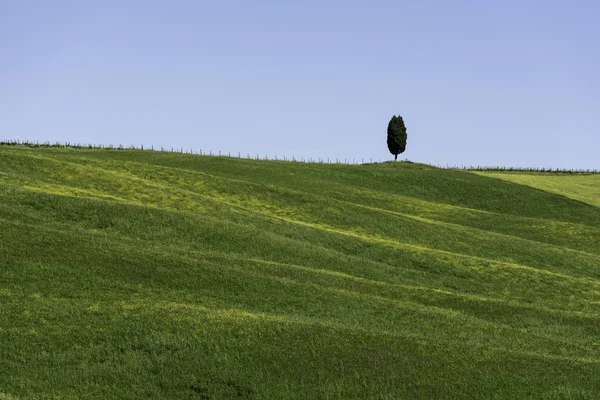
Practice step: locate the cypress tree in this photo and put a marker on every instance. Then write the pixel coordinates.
(396, 136)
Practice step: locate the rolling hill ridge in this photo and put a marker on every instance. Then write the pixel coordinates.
(129, 274)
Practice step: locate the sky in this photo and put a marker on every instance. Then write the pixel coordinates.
(495, 83)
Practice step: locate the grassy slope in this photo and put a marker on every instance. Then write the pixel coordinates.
(128, 274)
(584, 188)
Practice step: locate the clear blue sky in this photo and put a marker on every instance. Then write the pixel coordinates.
(513, 83)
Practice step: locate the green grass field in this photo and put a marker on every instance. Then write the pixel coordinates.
(139, 274)
(584, 188)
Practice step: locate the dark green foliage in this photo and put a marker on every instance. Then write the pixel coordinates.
(396, 136)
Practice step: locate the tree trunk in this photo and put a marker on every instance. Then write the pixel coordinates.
(395, 157)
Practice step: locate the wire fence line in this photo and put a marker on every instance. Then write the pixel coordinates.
(191, 151)
(248, 156)
(566, 171)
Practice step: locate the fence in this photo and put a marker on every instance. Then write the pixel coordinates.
(524, 169)
(346, 161)
(182, 150)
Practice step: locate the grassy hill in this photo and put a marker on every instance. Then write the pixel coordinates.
(584, 188)
(137, 274)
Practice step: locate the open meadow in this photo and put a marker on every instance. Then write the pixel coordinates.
(128, 274)
(584, 188)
